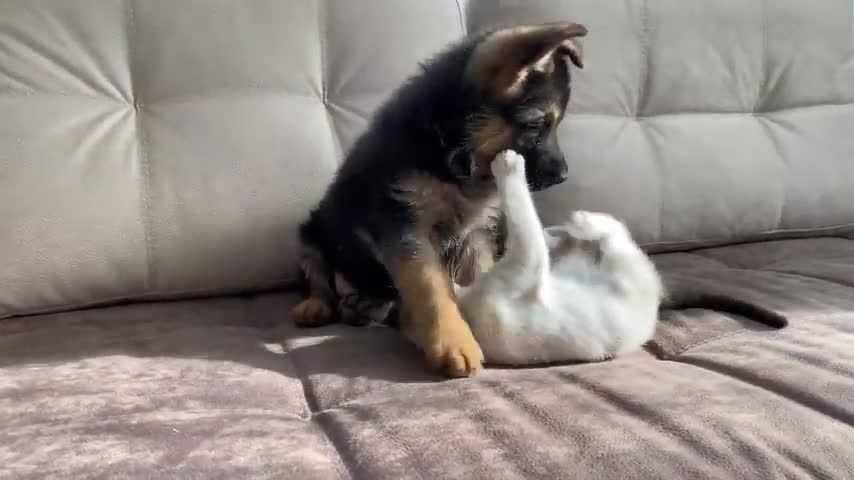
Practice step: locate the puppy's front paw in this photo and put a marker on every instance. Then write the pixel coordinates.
(508, 163)
(449, 345)
(312, 312)
(456, 354)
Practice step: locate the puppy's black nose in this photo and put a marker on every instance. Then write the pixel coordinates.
(561, 173)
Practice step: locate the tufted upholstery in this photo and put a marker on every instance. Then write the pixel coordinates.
(225, 389)
(163, 149)
(151, 151)
(148, 150)
(704, 122)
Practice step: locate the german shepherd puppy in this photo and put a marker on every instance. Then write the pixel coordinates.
(414, 205)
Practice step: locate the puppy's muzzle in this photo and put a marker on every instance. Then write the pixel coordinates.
(548, 172)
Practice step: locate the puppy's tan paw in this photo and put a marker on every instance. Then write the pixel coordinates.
(312, 312)
(451, 347)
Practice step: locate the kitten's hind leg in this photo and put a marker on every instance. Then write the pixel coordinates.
(595, 226)
(614, 244)
(619, 256)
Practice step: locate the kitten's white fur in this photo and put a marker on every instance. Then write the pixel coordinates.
(541, 303)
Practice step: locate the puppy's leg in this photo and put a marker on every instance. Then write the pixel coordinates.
(317, 309)
(429, 315)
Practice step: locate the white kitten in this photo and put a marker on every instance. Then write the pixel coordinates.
(583, 291)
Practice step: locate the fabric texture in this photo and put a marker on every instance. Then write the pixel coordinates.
(148, 151)
(228, 388)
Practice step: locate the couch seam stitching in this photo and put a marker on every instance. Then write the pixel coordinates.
(315, 419)
(763, 67)
(674, 356)
(310, 402)
(764, 124)
(157, 296)
(313, 408)
(463, 27)
(767, 113)
(350, 399)
(146, 200)
(643, 84)
(760, 101)
(703, 243)
(290, 285)
(746, 331)
(308, 394)
(14, 92)
(323, 31)
(266, 412)
(769, 268)
(795, 275)
(700, 343)
(284, 91)
(144, 159)
(226, 92)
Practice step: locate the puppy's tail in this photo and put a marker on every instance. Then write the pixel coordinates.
(684, 299)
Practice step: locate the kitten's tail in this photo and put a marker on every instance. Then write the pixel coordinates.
(723, 303)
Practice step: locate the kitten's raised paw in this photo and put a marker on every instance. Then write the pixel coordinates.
(508, 163)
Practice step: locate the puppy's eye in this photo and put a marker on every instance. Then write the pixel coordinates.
(536, 125)
(529, 138)
(531, 117)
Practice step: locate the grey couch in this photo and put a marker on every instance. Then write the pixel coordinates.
(156, 156)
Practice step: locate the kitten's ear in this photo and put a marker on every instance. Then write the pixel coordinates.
(505, 58)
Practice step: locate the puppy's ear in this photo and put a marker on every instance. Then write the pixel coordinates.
(505, 58)
(572, 49)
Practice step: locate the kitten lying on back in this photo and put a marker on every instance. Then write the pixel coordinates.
(583, 291)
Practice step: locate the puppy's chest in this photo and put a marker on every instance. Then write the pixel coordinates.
(446, 213)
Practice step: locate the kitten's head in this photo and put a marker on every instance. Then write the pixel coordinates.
(587, 233)
(562, 243)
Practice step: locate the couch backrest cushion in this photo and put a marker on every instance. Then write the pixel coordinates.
(150, 151)
(704, 122)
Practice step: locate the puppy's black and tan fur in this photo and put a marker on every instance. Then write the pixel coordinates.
(414, 203)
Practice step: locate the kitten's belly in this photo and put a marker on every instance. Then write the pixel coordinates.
(515, 332)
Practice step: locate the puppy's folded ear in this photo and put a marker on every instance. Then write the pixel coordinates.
(504, 59)
(572, 49)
